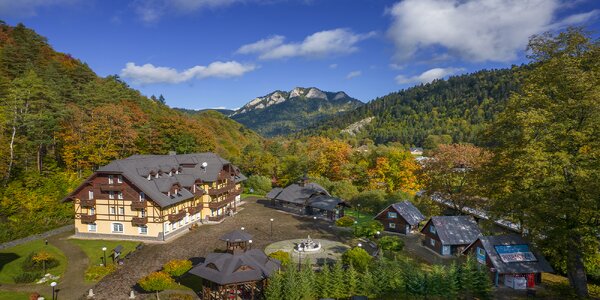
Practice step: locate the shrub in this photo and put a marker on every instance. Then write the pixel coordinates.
(259, 184)
(180, 297)
(27, 277)
(391, 243)
(156, 282)
(358, 258)
(368, 229)
(95, 273)
(177, 267)
(345, 221)
(35, 261)
(282, 256)
(370, 202)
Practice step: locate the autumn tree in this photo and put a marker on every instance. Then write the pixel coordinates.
(452, 174)
(328, 158)
(393, 169)
(546, 166)
(156, 282)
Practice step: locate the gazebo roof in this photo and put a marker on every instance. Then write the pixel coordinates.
(227, 268)
(236, 236)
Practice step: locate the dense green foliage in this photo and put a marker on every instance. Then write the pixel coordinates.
(345, 221)
(545, 172)
(390, 243)
(459, 107)
(368, 229)
(59, 121)
(384, 279)
(294, 114)
(282, 256)
(156, 282)
(177, 267)
(257, 184)
(357, 257)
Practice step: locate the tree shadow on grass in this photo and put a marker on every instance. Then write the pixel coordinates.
(6, 258)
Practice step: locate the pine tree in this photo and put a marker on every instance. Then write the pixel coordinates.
(324, 281)
(292, 287)
(308, 288)
(352, 280)
(274, 290)
(366, 284)
(337, 281)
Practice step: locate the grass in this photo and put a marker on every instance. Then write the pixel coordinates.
(558, 286)
(244, 195)
(188, 282)
(12, 258)
(6, 295)
(93, 250)
(361, 219)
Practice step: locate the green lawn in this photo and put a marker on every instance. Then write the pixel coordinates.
(12, 258)
(5, 295)
(244, 196)
(363, 216)
(93, 249)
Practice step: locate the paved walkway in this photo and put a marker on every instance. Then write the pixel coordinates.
(71, 285)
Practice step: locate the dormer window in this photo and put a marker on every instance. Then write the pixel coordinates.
(111, 195)
(90, 195)
(111, 179)
(176, 171)
(120, 195)
(171, 173)
(176, 191)
(193, 188)
(149, 177)
(156, 176)
(142, 196)
(119, 179)
(169, 194)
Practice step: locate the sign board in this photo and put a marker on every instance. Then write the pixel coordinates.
(515, 282)
(480, 255)
(515, 253)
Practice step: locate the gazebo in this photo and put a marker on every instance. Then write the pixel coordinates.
(240, 273)
(236, 240)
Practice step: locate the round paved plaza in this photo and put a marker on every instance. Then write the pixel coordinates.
(330, 250)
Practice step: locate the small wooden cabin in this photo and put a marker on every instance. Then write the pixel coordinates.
(402, 217)
(449, 235)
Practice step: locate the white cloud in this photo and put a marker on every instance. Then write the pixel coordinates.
(27, 8)
(333, 66)
(150, 11)
(477, 30)
(319, 44)
(428, 76)
(353, 74)
(148, 73)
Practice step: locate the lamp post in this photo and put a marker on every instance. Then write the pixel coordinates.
(243, 228)
(299, 261)
(271, 221)
(53, 284)
(358, 211)
(104, 250)
(359, 245)
(378, 233)
(249, 244)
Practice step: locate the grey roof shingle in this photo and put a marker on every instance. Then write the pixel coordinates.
(236, 236)
(225, 268)
(408, 211)
(136, 169)
(311, 194)
(489, 243)
(456, 230)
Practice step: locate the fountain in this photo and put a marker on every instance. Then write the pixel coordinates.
(307, 245)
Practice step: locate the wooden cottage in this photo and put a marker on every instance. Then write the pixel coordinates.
(449, 235)
(510, 259)
(402, 217)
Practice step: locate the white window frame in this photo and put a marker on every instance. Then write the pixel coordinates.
(142, 228)
(121, 210)
(111, 179)
(92, 227)
(112, 225)
(142, 196)
(111, 195)
(392, 225)
(120, 195)
(167, 227)
(90, 194)
(432, 242)
(92, 211)
(112, 210)
(392, 215)
(432, 229)
(143, 212)
(119, 178)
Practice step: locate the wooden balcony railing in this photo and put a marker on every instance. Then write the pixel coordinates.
(88, 219)
(218, 191)
(87, 202)
(138, 205)
(139, 221)
(216, 218)
(176, 217)
(112, 187)
(194, 209)
(221, 203)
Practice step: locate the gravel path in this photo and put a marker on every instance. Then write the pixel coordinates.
(197, 244)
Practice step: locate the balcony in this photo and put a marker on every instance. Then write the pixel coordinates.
(219, 191)
(221, 203)
(112, 187)
(138, 205)
(194, 209)
(139, 221)
(216, 218)
(88, 219)
(87, 202)
(176, 217)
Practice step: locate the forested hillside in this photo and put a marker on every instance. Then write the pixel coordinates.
(459, 107)
(59, 121)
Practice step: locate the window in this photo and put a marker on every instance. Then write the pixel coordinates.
(121, 210)
(392, 215)
(432, 242)
(92, 227)
(90, 195)
(143, 229)
(142, 196)
(119, 179)
(167, 227)
(110, 179)
(176, 191)
(120, 195)
(432, 229)
(143, 213)
(112, 210)
(392, 225)
(117, 227)
(111, 195)
(92, 211)
(149, 177)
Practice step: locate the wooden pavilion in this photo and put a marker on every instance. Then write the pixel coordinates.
(240, 273)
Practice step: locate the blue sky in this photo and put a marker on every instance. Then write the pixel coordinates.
(223, 53)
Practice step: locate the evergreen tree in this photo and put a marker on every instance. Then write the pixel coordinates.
(352, 280)
(337, 281)
(274, 289)
(325, 282)
(367, 284)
